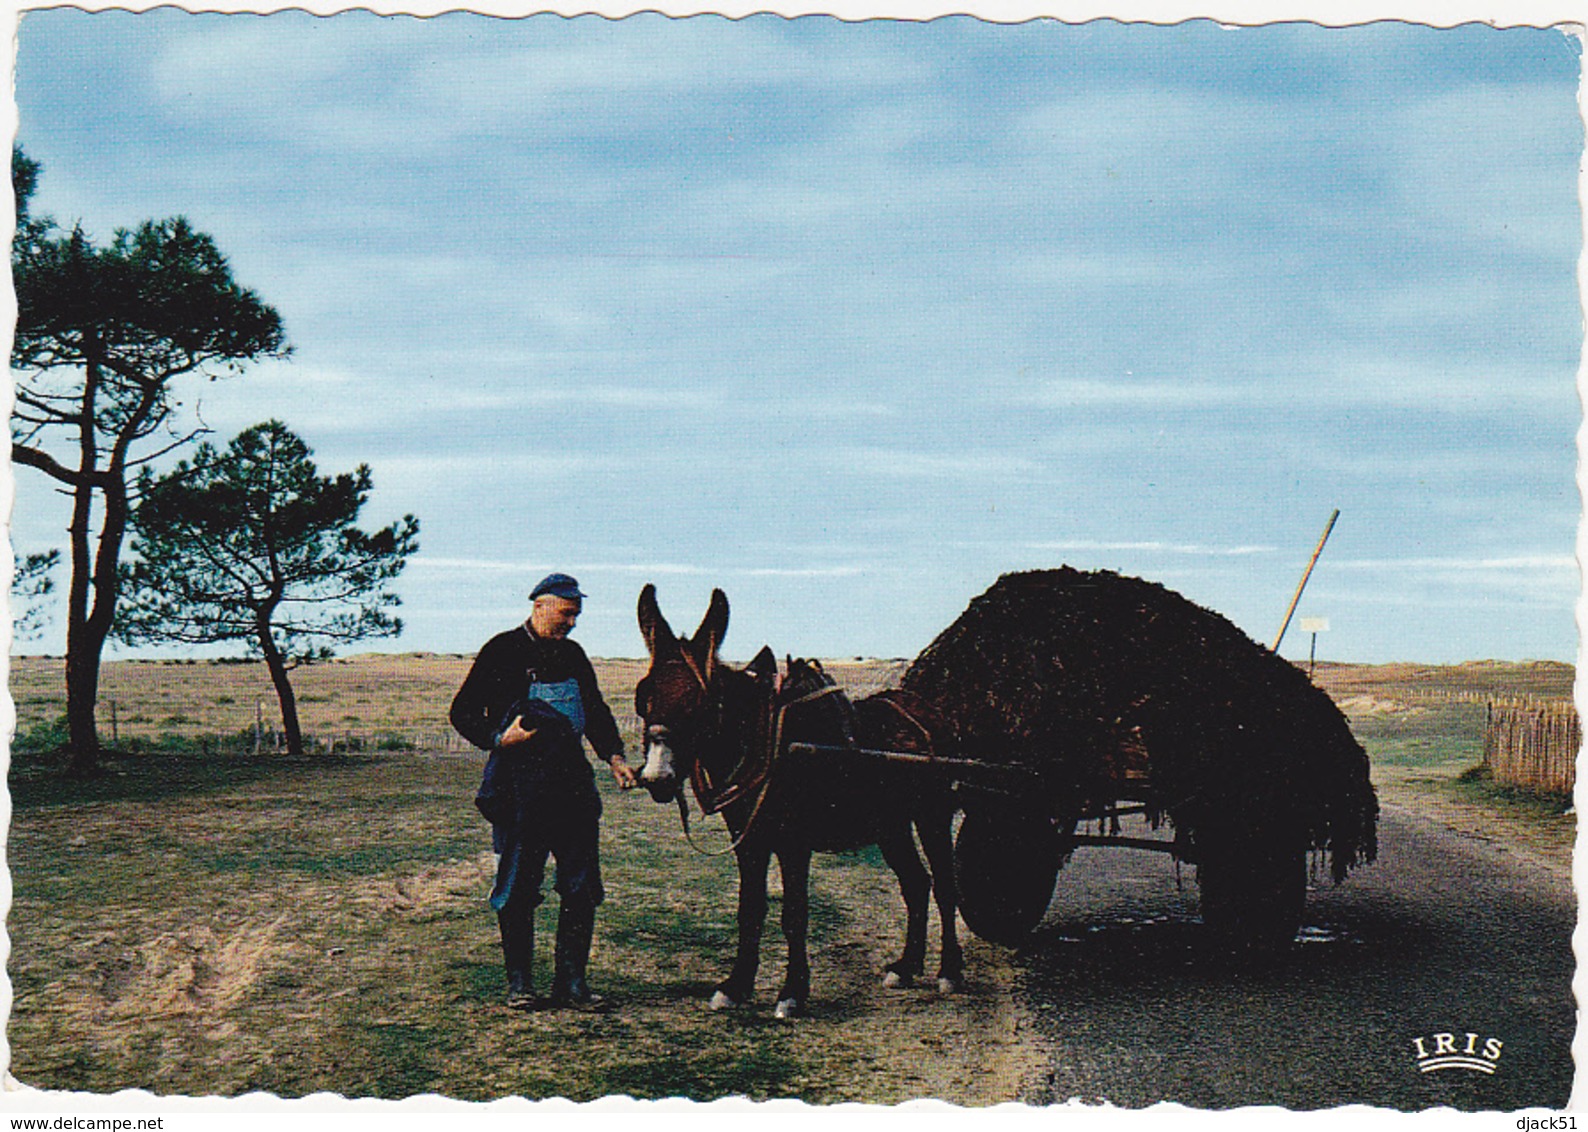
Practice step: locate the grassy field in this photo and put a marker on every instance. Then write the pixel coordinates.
(193, 923)
(370, 701)
(226, 922)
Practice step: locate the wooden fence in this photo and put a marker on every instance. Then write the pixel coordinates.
(1533, 743)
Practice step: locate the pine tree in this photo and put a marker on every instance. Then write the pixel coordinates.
(103, 336)
(252, 544)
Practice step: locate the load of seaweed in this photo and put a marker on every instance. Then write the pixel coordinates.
(1108, 687)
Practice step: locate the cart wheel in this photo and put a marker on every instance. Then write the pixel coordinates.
(1253, 894)
(1005, 866)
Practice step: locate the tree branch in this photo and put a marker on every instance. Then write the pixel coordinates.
(175, 444)
(50, 466)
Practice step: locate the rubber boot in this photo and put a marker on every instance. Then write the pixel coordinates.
(518, 955)
(575, 927)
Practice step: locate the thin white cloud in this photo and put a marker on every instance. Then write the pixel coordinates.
(1479, 585)
(1472, 475)
(1128, 390)
(1068, 268)
(501, 566)
(1153, 547)
(1453, 385)
(452, 469)
(1527, 562)
(679, 568)
(317, 398)
(814, 409)
(621, 397)
(481, 565)
(799, 572)
(899, 463)
(1354, 381)
(669, 569)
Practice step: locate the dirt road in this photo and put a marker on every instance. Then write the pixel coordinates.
(1447, 933)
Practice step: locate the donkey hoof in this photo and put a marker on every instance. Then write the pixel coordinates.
(786, 1008)
(893, 980)
(721, 1001)
(946, 985)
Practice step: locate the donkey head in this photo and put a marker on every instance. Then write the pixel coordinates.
(680, 699)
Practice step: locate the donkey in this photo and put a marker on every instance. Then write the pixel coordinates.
(728, 731)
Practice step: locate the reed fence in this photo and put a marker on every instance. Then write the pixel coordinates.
(1533, 744)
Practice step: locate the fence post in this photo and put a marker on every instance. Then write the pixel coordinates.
(1532, 743)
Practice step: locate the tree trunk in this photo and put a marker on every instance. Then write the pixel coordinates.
(82, 651)
(82, 692)
(85, 650)
(88, 627)
(86, 631)
(277, 666)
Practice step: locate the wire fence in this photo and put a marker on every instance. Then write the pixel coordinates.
(439, 741)
(1533, 743)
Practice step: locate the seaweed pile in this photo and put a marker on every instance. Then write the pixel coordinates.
(1108, 686)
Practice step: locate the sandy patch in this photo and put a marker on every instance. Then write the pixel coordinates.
(197, 971)
(430, 889)
(1360, 705)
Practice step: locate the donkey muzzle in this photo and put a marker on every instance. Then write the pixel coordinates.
(659, 775)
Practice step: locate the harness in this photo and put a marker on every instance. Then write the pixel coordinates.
(752, 774)
(893, 697)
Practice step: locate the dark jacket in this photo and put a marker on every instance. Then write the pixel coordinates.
(549, 771)
(501, 675)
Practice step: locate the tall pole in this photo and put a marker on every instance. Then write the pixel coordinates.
(1295, 601)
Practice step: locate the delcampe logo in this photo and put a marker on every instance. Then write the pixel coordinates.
(1448, 1053)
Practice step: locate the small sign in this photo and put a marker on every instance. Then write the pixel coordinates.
(1314, 624)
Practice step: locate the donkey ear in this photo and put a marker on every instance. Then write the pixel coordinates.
(653, 626)
(763, 664)
(714, 625)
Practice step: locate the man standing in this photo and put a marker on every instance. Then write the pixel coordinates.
(529, 699)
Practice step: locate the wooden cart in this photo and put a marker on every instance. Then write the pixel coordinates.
(1019, 828)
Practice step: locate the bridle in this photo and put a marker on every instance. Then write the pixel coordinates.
(660, 731)
(751, 774)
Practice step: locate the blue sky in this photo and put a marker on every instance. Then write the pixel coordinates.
(849, 318)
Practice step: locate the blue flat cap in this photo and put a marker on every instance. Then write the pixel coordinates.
(558, 585)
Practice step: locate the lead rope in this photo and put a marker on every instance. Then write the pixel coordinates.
(766, 785)
(683, 818)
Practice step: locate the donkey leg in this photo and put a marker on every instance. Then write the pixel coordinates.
(937, 839)
(898, 850)
(737, 988)
(795, 866)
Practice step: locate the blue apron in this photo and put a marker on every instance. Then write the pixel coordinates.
(511, 780)
(564, 696)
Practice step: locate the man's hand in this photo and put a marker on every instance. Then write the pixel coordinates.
(624, 773)
(516, 734)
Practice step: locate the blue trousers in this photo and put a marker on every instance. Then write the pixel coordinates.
(565, 829)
